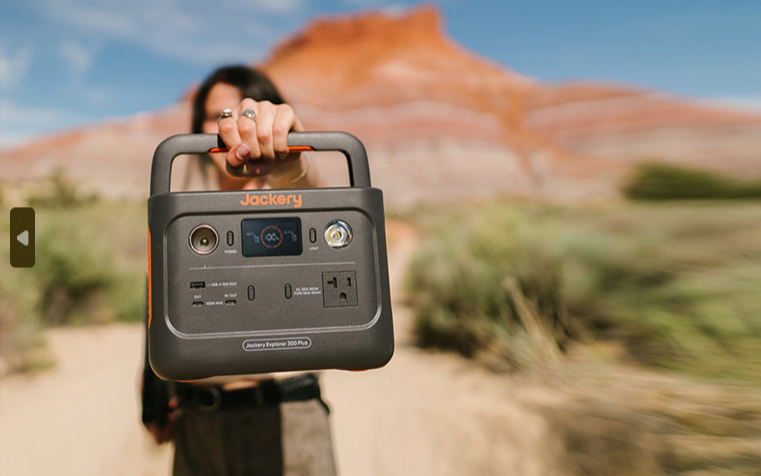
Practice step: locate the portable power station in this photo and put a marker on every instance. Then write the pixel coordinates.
(259, 281)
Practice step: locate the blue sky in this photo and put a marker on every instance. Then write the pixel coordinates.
(64, 63)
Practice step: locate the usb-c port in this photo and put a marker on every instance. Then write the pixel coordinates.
(231, 303)
(198, 285)
(197, 303)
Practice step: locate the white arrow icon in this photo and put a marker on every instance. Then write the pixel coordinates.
(23, 238)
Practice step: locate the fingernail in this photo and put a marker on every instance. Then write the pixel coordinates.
(243, 152)
(282, 155)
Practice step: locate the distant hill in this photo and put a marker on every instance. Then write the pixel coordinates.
(440, 123)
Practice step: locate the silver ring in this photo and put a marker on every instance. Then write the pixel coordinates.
(226, 112)
(249, 113)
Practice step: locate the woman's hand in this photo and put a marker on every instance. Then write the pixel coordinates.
(162, 433)
(262, 141)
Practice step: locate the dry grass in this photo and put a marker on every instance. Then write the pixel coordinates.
(626, 420)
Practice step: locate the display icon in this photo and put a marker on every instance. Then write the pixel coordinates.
(22, 237)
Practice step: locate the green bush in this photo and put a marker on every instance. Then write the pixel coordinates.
(667, 182)
(90, 268)
(21, 344)
(59, 192)
(673, 286)
(91, 263)
(480, 285)
(73, 274)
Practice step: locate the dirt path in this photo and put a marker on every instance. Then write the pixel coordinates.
(423, 414)
(80, 418)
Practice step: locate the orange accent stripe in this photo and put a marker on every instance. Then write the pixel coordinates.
(150, 301)
(300, 148)
(295, 148)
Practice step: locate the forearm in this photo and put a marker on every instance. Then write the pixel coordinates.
(300, 173)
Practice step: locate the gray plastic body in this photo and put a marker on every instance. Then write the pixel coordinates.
(224, 313)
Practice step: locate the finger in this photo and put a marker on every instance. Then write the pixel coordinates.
(284, 122)
(166, 433)
(247, 132)
(264, 122)
(160, 434)
(228, 132)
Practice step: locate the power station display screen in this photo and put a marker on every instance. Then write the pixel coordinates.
(271, 236)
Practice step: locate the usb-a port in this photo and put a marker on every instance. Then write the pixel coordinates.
(197, 285)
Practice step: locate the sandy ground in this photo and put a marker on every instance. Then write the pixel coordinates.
(424, 413)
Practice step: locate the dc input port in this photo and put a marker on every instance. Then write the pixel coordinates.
(203, 239)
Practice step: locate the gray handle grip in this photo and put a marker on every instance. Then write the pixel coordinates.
(350, 146)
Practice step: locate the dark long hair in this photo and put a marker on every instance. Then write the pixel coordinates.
(251, 83)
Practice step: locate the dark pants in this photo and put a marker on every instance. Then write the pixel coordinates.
(290, 439)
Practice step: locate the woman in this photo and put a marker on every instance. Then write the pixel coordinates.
(266, 424)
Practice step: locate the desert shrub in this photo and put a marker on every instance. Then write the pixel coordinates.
(90, 268)
(657, 181)
(478, 284)
(91, 263)
(73, 273)
(629, 422)
(58, 191)
(673, 286)
(21, 343)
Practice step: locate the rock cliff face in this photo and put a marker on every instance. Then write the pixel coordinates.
(440, 123)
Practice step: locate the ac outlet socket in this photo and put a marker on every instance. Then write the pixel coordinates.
(339, 289)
